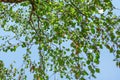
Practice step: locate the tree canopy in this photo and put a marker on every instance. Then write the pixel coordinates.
(67, 33)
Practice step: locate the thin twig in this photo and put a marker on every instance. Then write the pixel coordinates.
(76, 8)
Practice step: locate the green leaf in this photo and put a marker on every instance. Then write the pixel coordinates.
(23, 44)
(118, 52)
(97, 70)
(96, 60)
(93, 30)
(85, 73)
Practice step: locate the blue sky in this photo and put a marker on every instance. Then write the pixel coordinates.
(109, 71)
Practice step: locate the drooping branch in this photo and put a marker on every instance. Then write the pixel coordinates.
(12, 1)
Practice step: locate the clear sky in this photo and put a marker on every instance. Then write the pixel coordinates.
(109, 71)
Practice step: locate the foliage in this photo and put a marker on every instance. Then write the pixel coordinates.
(67, 33)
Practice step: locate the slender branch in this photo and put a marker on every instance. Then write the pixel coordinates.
(12, 1)
(76, 8)
(38, 21)
(116, 8)
(31, 22)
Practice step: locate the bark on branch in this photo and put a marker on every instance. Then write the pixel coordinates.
(12, 1)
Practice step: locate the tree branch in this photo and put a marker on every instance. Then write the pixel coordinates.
(12, 1)
(76, 8)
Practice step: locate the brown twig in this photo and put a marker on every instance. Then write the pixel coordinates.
(12, 1)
